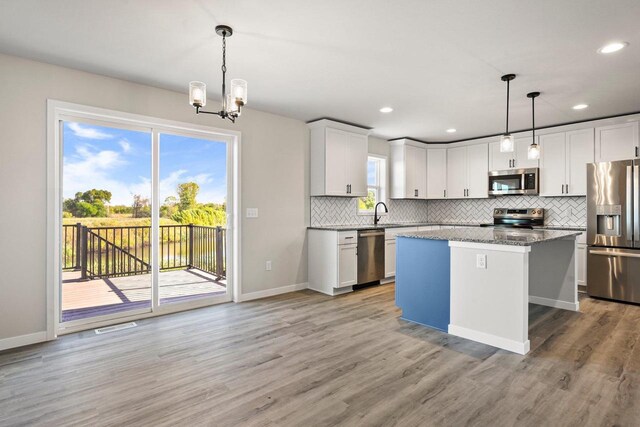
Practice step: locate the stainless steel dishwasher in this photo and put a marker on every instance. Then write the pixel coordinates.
(370, 255)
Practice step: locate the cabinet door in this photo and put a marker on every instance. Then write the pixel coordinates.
(616, 142)
(336, 178)
(580, 151)
(347, 265)
(416, 172)
(521, 154)
(499, 161)
(477, 171)
(436, 173)
(581, 265)
(456, 172)
(410, 164)
(553, 164)
(357, 164)
(390, 258)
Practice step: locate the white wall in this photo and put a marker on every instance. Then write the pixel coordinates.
(274, 175)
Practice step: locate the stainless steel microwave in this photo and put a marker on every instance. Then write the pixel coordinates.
(514, 181)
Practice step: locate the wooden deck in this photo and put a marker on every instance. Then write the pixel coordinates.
(89, 298)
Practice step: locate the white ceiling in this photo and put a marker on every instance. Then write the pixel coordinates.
(436, 62)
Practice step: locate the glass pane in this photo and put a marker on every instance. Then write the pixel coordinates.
(505, 183)
(106, 231)
(369, 202)
(193, 197)
(372, 171)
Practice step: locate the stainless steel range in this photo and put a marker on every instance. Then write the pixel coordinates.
(528, 218)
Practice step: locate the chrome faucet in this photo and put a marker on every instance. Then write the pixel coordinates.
(376, 218)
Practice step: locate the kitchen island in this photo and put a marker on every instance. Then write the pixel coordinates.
(477, 283)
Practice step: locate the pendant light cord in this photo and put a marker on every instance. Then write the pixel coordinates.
(533, 119)
(507, 126)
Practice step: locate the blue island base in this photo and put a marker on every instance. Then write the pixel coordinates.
(423, 281)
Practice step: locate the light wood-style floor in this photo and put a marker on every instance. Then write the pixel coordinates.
(305, 359)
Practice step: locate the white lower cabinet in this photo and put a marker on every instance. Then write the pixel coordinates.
(347, 265)
(333, 261)
(390, 248)
(581, 259)
(389, 257)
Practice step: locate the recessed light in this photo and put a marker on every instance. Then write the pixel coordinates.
(613, 47)
(580, 106)
(386, 109)
(452, 130)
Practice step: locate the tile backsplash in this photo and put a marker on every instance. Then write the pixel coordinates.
(559, 211)
(344, 211)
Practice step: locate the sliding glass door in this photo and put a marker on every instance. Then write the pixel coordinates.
(144, 221)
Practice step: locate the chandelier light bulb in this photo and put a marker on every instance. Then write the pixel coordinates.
(197, 94)
(506, 143)
(534, 152)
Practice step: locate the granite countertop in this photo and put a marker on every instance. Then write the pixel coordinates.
(495, 236)
(424, 224)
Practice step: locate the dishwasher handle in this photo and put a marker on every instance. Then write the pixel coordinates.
(370, 233)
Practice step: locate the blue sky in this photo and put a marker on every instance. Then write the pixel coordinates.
(119, 161)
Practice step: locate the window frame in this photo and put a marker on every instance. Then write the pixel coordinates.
(381, 184)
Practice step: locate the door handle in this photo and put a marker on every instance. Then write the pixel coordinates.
(615, 253)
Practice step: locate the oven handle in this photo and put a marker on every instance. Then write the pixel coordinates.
(612, 253)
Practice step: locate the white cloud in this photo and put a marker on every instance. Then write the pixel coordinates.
(126, 146)
(92, 168)
(88, 132)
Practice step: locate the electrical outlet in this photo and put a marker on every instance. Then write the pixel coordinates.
(252, 212)
(267, 266)
(481, 261)
(569, 212)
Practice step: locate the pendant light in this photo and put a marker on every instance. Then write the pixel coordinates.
(233, 102)
(534, 149)
(506, 140)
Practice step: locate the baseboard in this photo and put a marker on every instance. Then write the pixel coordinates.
(565, 305)
(272, 292)
(23, 340)
(493, 340)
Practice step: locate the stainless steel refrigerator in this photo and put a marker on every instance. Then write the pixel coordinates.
(613, 230)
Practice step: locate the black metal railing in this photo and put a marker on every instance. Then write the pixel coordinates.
(102, 252)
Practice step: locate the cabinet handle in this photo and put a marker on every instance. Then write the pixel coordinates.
(562, 188)
(567, 188)
(444, 194)
(636, 151)
(415, 193)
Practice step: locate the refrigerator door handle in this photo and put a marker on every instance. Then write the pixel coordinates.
(636, 205)
(628, 232)
(613, 253)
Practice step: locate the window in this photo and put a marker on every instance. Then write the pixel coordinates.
(376, 184)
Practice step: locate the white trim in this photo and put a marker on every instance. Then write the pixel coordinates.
(493, 340)
(60, 110)
(490, 247)
(272, 292)
(23, 340)
(338, 125)
(565, 305)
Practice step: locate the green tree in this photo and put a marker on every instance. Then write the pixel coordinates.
(91, 203)
(169, 207)
(187, 193)
(367, 203)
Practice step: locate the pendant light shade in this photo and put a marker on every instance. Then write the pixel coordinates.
(506, 141)
(534, 149)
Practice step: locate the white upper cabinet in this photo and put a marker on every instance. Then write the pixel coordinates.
(457, 172)
(338, 159)
(580, 151)
(563, 160)
(617, 142)
(477, 171)
(408, 170)
(518, 159)
(553, 160)
(436, 173)
(499, 161)
(467, 169)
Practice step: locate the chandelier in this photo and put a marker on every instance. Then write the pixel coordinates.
(232, 102)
